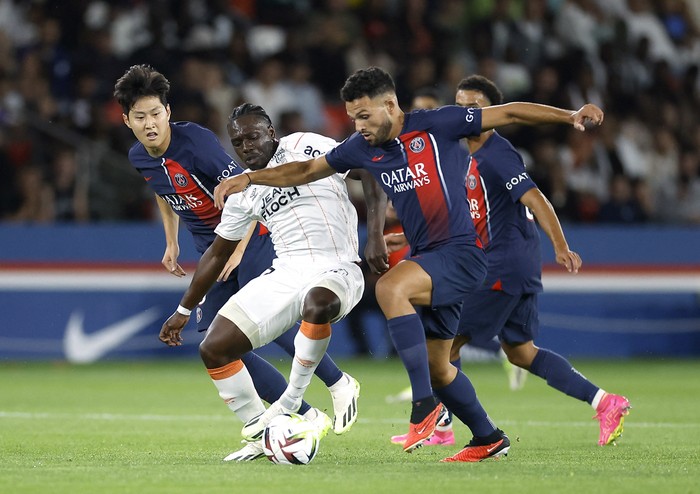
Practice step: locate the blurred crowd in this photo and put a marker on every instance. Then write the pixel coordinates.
(63, 144)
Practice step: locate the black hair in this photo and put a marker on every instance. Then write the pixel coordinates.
(249, 109)
(139, 81)
(370, 82)
(485, 86)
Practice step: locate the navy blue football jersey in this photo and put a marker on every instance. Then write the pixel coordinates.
(496, 180)
(185, 177)
(423, 172)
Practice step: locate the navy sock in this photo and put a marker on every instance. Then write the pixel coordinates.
(408, 336)
(460, 398)
(561, 375)
(326, 371)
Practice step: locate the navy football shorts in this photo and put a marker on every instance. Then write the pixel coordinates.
(456, 271)
(488, 313)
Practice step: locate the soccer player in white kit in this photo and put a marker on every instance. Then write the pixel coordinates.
(315, 277)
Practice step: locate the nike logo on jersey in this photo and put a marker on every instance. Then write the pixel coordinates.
(377, 158)
(82, 348)
(147, 178)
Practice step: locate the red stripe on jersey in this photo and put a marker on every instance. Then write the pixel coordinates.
(477, 201)
(423, 164)
(263, 230)
(191, 193)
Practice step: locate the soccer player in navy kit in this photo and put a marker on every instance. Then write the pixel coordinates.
(503, 199)
(418, 159)
(182, 162)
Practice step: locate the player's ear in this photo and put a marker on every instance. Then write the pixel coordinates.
(125, 118)
(167, 110)
(391, 104)
(271, 131)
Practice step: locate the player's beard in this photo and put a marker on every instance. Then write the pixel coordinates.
(382, 134)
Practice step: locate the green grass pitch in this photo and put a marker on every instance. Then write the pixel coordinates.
(159, 427)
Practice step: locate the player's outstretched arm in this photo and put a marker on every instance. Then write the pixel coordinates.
(287, 175)
(210, 265)
(171, 223)
(536, 201)
(534, 113)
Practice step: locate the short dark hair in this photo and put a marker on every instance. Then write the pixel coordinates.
(139, 81)
(370, 82)
(485, 86)
(249, 109)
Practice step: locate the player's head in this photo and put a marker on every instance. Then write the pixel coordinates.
(252, 135)
(370, 102)
(426, 98)
(477, 91)
(142, 93)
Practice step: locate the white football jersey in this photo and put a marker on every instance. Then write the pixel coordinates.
(315, 222)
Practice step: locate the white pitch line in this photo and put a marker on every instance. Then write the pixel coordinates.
(158, 417)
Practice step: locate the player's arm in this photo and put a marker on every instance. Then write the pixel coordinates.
(237, 255)
(536, 202)
(171, 222)
(287, 175)
(375, 198)
(534, 113)
(210, 265)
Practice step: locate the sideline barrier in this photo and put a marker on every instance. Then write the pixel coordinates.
(82, 294)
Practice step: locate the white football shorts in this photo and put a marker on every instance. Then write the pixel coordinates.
(272, 303)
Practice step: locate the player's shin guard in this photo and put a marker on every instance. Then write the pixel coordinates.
(408, 335)
(310, 345)
(236, 389)
(460, 398)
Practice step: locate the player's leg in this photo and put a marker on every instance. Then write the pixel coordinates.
(456, 391)
(397, 291)
(517, 342)
(221, 351)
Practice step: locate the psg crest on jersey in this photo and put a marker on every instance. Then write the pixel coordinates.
(180, 179)
(417, 144)
(471, 182)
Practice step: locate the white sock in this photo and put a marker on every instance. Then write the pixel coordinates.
(596, 399)
(239, 394)
(340, 383)
(307, 354)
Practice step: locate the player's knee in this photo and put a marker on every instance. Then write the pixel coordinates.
(210, 354)
(520, 355)
(321, 305)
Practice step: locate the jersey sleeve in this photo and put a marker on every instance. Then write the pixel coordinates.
(453, 122)
(211, 158)
(234, 220)
(345, 156)
(510, 169)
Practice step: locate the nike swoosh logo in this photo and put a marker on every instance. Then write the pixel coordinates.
(488, 450)
(147, 178)
(377, 158)
(81, 348)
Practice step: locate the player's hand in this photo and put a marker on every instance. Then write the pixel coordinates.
(170, 333)
(231, 264)
(169, 261)
(588, 113)
(570, 260)
(376, 256)
(228, 187)
(395, 241)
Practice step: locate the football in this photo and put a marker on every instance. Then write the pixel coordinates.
(290, 439)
